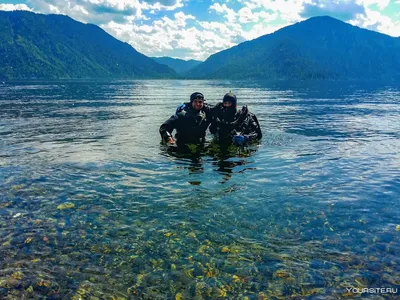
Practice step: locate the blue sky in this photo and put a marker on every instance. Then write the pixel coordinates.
(197, 29)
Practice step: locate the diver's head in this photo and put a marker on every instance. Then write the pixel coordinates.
(197, 100)
(230, 102)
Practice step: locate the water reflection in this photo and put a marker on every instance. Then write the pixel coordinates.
(187, 157)
(226, 157)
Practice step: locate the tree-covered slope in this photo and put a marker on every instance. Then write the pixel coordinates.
(318, 48)
(178, 65)
(36, 46)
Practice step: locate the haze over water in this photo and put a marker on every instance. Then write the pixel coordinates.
(92, 205)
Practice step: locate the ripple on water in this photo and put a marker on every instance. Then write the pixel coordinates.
(92, 206)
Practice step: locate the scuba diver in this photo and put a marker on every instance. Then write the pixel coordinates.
(190, 121)
(232, 125)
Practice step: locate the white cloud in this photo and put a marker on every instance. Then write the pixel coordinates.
(266, 17)
(229, 13)
(374, 20)
(288, 10)
(54, 10)
(222, 28)
(180, 19)
(102, 11)
(382, 4)
(166, 36)
(247, 16)
(11, 7)
(90, 11)
(197, 39)
(162, 5)
(259, 30)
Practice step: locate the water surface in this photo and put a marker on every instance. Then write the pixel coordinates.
(94, 207)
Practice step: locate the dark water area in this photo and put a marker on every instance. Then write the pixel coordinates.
(92, 206)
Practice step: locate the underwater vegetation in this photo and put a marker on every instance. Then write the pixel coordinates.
(85, 249)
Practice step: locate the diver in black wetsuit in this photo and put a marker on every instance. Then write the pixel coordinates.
(230, 124)
(190, 121)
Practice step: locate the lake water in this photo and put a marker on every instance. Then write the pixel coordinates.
(92, 206)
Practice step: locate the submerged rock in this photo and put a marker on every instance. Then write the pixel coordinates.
(66, 205)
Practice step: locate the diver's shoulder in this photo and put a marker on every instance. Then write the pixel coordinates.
(182, 108)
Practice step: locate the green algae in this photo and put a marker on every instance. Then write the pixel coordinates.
(66, 205)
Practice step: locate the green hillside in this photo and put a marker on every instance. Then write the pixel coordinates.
(318, 48)
(36, 46)
(178, 65)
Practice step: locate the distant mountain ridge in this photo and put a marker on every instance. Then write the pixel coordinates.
(35, 46)
(318, 48)
(178, 65)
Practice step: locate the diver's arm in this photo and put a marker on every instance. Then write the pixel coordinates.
(257, 126)
(166, 129)
(213, 115)
(213, 126)
(208, 109)
(253, 130)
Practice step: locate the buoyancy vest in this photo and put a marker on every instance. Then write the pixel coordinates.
(191, 124)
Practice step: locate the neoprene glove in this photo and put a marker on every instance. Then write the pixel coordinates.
(239, 140)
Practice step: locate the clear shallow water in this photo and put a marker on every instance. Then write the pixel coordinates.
(309, 212)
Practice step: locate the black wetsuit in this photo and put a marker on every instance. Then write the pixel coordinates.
(190, 124)
(228, 122)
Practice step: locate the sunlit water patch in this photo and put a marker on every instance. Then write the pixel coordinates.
(94, 207)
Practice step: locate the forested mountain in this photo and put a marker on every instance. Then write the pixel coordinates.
(318, 48)
(36, 46)
(179, 65)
